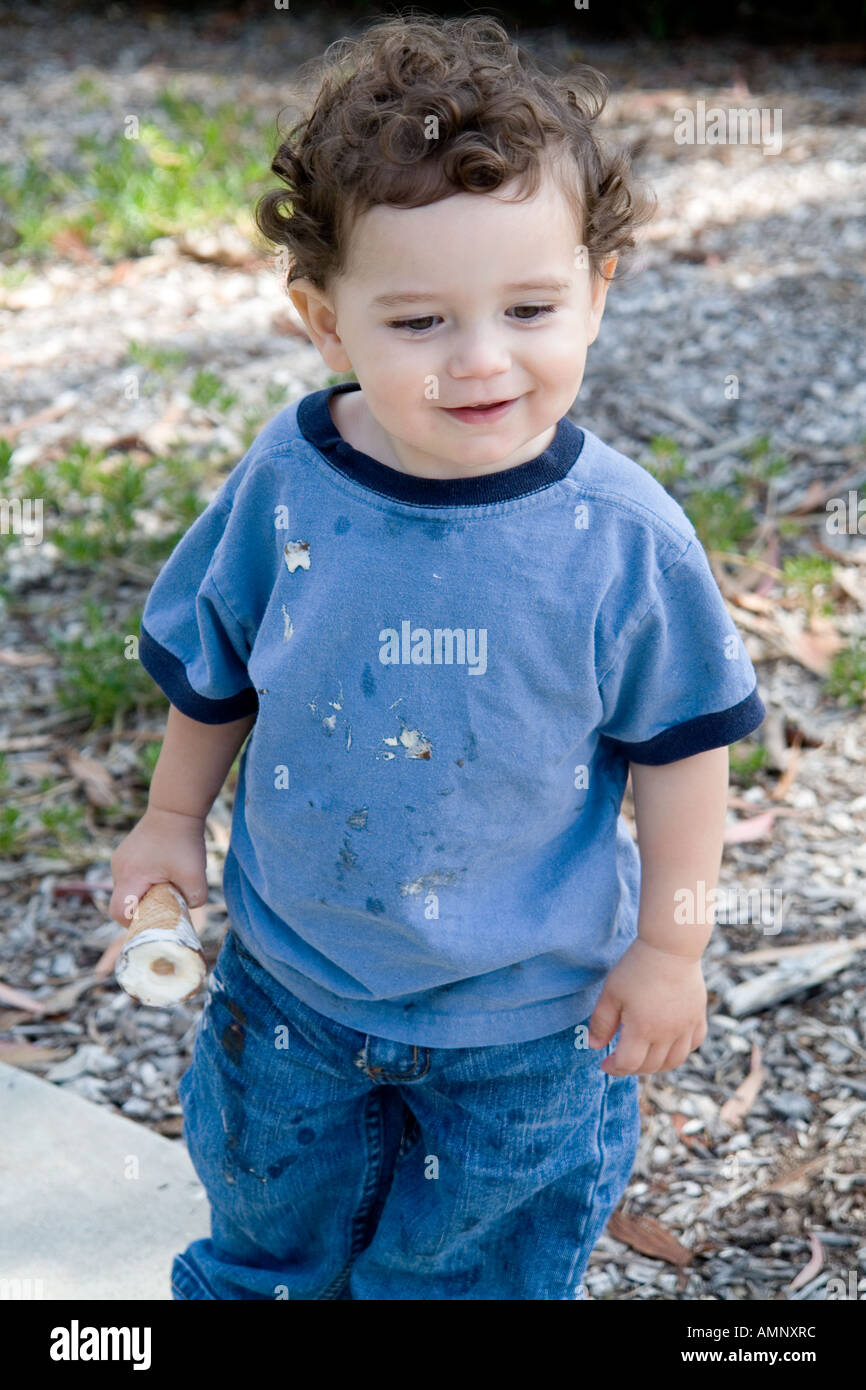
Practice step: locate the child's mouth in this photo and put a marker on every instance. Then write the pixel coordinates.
(481, 413)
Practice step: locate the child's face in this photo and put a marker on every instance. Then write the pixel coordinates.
(468, 337)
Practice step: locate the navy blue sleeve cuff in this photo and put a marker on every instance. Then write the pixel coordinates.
(170, 676)
(696, 735)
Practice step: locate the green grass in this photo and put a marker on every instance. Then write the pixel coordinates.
(847, 678)
(148, 757)
(156, 359)
(668, 461)
(724, 518)
(94, 506)
(809, 575)
(256, 416)
(90, 503)
(183, 166)
(11, 841)
(66, 824)
(57, 830)
(207, 390)
(764, 464)
(13, 276)
(100, 674)
(92, 93)
(744, 766)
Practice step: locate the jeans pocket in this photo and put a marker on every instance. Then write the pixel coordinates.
(238, 960)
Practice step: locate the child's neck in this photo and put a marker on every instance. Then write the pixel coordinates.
(353, 420)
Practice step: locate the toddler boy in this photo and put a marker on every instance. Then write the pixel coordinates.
(452, 619)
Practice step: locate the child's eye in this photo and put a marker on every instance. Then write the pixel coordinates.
(420, 325)
(409, 323)
(538, 309)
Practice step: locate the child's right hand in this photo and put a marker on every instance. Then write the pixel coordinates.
(164, 847)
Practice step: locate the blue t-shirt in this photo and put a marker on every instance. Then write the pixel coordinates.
(451, 677)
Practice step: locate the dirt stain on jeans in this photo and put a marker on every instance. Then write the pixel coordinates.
(233, 1041)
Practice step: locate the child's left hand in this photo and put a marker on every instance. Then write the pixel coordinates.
(661, 1001)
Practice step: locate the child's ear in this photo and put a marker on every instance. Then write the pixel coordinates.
(598, 296)
(316, 309)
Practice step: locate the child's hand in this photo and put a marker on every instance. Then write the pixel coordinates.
(165, 847)
(661, 1001)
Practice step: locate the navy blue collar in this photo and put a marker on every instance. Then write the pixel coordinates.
(316, 425)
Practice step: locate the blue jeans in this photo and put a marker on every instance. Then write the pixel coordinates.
(339, 1165)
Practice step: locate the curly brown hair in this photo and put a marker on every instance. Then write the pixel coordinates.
(499, 117)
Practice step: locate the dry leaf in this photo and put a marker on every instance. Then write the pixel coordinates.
(171, 1125)
(25, 1054)
(70, 243)
(163, 433)
(66, 995)
(9, 658)
(852, 583)
(649, 1236)
(738, 803)
(813, 646)
(814, 1266)
(818, 493)
(740, 1103)
(94, 778)
(789, 776)
(105, 965)
(793, 1181)
(227, 246)
(753, 828)
(51, 412)
(756, 603)
(9, 1018)
(20, 999)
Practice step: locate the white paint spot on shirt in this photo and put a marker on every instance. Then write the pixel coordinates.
(423, 884)
(329, 721)
(297, 553)
(414, 742)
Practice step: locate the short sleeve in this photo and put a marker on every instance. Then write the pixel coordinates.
(682, 681)
(191, 643)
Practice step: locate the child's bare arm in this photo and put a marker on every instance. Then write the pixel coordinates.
(679, 812)
(167, 844)
(656, 990)
(194, 763)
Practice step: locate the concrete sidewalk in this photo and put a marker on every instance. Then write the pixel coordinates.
(92, 1205)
